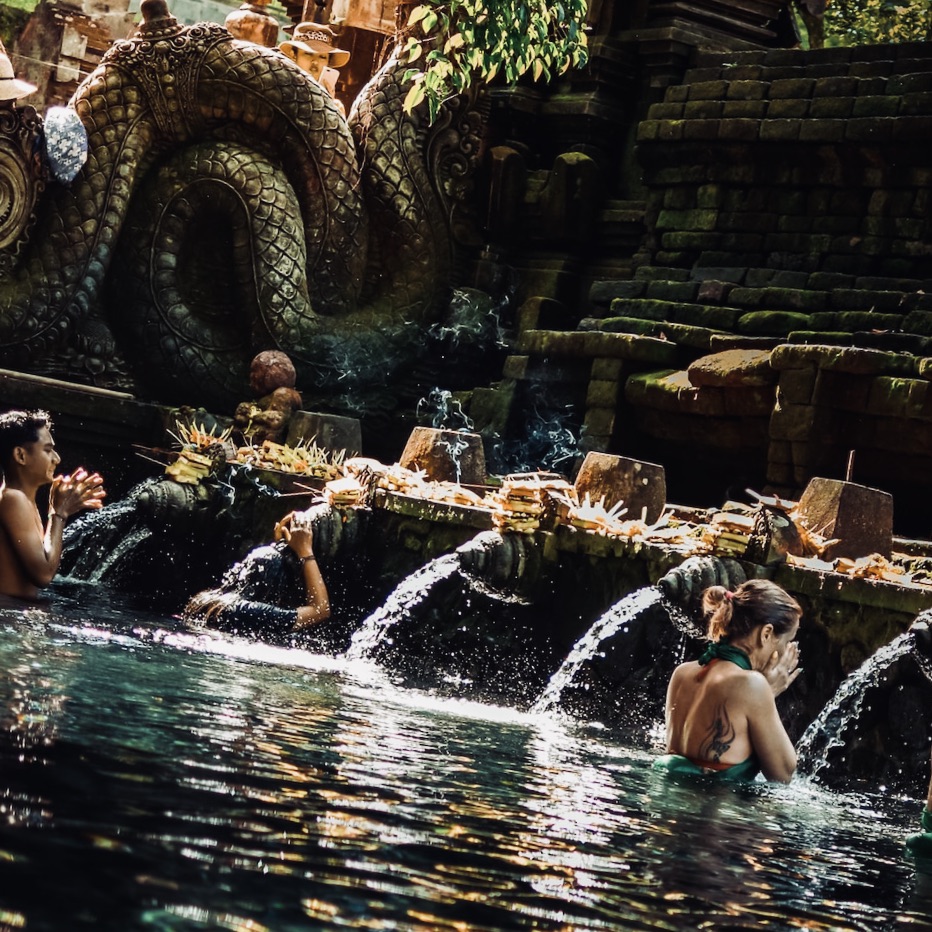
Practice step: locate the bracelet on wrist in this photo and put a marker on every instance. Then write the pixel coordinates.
(56, 514)
(307, 559)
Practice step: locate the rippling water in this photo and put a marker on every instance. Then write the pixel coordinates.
(157, 779)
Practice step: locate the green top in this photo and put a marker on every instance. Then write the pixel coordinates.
(719, 650)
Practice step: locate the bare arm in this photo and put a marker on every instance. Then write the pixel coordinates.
(301, 540)
(769, 739)
(670, 705)
(39, 554)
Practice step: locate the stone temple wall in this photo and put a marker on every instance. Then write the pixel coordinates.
(787, 216)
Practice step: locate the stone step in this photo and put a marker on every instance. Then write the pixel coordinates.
(681, 334)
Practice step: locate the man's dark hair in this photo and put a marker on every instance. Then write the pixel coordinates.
(17, 428)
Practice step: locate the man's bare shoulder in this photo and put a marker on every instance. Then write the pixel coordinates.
(14, 500)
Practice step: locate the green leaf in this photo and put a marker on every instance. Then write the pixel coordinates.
(414, 97)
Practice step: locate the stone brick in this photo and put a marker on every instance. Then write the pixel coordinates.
(779, 451)
(875, 106)
(779, 130)
(869, 129)
(841, 390)
(700, 129)
(750, 402)
(599, 422)
(898, 397)
(838, 108)
(733, 369)
(912, 127)
(610, 370)
(900, 84)
(708, 90)
(676, 94)
(648, 130)
(791, 422)
(746, 90)
(771, 323)
(835, 87)
(786, 109)
(603, 292)
(515, 367)
(670, 131)
(739, 130)
(602, 393)
(822, 130)
(698, 110)
(784, 88)
(744, 109)
(713, 317)
(797, 385)
(673, 291)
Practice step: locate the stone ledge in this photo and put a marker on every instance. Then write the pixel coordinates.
(597, 343)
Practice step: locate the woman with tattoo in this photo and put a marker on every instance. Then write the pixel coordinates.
(721, 714)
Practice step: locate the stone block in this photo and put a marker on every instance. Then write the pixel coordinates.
(771, 323)
(835, 87)
(640, 485)
(446, 455)
(611, 370)
(791, 422)
(329, 431)
(749, 402)
(602, 393)
(869, 129)
(875, 106)
(791, 88)
(796, 385)
(841, 391)
(831, 108)
(779, 130)
(746, 90)
(745, 368)
(708, 90)
(744, 110)
(599, 422)
(696, 110)
(787, 109)
(859, 516)
(897, 397)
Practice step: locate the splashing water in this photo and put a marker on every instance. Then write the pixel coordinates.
(619, 615)
(123, 549)
(827, 733)
(92, 537)
(412, 591)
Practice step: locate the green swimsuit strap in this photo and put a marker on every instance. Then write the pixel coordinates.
(718, 650)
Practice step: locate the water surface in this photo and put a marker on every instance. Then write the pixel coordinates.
(156, 778)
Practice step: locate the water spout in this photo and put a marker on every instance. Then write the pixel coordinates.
(877, 724)
(461, 619)
(618, 670)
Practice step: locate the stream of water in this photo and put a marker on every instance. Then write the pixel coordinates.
(157, 778)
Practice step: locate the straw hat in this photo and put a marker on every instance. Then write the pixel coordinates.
(11, 88)
(315, 39)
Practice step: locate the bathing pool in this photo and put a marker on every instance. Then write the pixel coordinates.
(155, 778)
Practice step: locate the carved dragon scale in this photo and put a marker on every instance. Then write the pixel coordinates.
(227, 206)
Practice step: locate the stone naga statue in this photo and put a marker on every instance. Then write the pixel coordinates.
(228, 207)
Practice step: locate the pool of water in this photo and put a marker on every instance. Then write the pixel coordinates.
(154, 778)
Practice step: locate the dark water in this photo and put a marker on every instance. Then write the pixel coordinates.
(158, 779)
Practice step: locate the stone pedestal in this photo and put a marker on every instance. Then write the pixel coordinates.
(638, 484)
(860, 517)
(327, 430)
(446, 455)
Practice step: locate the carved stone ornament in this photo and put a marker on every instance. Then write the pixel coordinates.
(22, 179)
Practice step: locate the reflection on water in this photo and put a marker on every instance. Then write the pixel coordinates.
(158, 778)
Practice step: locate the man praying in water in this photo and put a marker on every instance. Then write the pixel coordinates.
(919, 845)
(721, 714)
(30, 551)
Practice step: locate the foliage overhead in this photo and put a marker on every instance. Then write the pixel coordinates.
(454, 43)
(868, 22)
